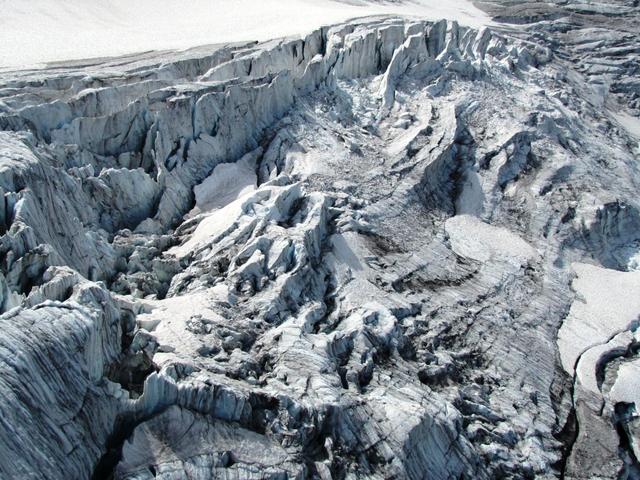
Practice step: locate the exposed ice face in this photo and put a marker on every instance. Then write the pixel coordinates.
(343, 255)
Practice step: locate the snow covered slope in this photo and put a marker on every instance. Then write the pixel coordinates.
(39, 31)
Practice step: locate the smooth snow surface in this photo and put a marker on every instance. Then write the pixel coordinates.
(472, 238)
(608, 302)
(212, 226)
(627, 386)
(227, 182)
(79, 29)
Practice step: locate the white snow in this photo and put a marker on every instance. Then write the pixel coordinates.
(627, 386)
(472, 238)
(228, 182)
(343, 244)
(168, 320)
(630, 124)
(219, 199)
(587, 367)
(608, 302)
(213, 225)
(38, 31)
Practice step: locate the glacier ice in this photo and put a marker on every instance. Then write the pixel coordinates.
(368, 252)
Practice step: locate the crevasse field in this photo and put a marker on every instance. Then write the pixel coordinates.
(319, 240)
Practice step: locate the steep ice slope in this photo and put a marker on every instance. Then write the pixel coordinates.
(359, 254)
(41, 31)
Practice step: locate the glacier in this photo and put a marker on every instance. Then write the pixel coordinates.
(392, 247)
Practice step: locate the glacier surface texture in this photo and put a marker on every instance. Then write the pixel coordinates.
(391, 248)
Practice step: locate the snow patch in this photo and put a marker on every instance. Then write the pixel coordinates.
(228, 182)
(627, 386)
(472, 238)
(608, 303)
